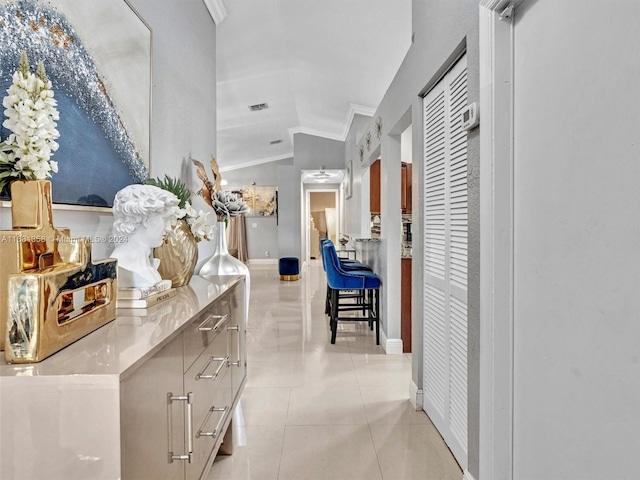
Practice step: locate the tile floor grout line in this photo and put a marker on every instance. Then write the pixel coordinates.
(296, 332)
(284, 436)
(375, 450)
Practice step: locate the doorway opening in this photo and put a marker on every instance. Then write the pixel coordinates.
(322, 214)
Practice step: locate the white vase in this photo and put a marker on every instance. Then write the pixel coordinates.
(223, 263)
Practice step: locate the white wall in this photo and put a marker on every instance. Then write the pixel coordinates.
(406, 145)
(183, 123)
(263, 237)
(261, 174)
(356, 220)
(576, 240)
(441, 30)
(309, 152)
(183, 105)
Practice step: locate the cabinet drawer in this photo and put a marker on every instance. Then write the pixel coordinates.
(209, 382)
(209, 432)
(209, 375)
(202, 333)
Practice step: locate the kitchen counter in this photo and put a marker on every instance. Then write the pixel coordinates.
(368, 251)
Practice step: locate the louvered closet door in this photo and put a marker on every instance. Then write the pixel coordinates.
(445, 259)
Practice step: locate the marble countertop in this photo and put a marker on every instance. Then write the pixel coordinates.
(123, 344)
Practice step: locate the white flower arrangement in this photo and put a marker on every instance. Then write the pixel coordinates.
(31, 117)
(197, 221)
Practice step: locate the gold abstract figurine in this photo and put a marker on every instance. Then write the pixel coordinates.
(51, 292)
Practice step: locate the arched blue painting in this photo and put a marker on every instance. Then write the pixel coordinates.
(97, 55)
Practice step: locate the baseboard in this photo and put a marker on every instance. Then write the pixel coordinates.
(467, 476)
(390, 344)
(383, 339)
(415, 396)
(393, 346)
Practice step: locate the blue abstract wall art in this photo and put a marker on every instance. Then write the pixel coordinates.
(101, 150)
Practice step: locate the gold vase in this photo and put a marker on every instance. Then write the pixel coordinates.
(178, 255)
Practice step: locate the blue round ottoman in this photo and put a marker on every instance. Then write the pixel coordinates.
(289, 268)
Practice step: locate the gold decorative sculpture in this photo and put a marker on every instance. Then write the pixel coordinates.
(51, 292)
(178, 255)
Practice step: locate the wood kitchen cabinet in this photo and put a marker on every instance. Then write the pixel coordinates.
(405, 187)
(405, 304)
(374, 187)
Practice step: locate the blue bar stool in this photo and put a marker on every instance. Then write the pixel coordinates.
(346, 265)
(366, 286)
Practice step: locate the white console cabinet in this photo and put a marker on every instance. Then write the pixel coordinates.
(144, 397)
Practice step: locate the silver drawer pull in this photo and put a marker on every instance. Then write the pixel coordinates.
(210, 318)
(235, 328)
(180, 398)
(223, 361)
(216, 431)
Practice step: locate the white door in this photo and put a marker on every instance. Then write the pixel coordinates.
(445, 257)
(576, 240)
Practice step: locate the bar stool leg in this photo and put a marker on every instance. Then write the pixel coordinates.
(334, 315)
(370, 312)
(377, 307)
(327, 302)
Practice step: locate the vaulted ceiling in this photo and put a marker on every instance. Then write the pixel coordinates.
(313, 62)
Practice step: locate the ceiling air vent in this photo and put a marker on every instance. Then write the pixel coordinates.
(258, 106)
(275, 142)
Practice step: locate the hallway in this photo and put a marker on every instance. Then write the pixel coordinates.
(312, 410)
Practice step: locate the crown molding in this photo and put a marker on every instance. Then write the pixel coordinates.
(314, 132)
(499, 5)
(253, 163)
(353, 110)
(217, 10)
(492, 4)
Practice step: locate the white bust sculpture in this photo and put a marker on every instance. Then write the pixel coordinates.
(141, 217)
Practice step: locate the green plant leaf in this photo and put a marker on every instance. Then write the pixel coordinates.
(173, 185)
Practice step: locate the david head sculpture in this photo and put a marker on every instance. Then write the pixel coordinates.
(141, 217)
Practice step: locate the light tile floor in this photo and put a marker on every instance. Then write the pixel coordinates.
(312, 410)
